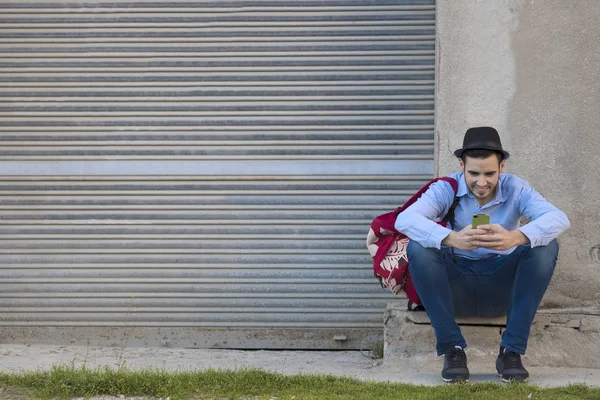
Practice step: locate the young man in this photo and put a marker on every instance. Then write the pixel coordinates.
(497, 269)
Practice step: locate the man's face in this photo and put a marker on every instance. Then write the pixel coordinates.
(481, 176)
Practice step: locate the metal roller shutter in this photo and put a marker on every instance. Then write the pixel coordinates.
(204, 173)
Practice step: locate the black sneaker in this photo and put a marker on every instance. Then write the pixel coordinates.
(510, 367)
(455, 366)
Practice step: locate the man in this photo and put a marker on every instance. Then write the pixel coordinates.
(497, 269)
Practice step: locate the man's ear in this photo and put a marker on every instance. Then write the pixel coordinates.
(462, 164)
(502, 165)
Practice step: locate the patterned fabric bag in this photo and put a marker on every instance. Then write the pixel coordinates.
(388, 246)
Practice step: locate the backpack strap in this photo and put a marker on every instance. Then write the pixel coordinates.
(416, 196)
(449, 217)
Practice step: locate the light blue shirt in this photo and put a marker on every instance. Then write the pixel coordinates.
(514, 198)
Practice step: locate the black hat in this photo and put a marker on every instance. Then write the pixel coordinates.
(483, 137)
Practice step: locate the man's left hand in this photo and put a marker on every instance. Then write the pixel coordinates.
(499, 238)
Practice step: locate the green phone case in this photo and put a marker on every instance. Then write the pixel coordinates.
(480, 219)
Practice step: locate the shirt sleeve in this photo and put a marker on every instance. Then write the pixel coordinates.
(547, 221)
(417, 221)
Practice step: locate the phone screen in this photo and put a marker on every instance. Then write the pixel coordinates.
(480, 219)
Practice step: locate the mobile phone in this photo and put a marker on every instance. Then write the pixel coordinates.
(480, 219)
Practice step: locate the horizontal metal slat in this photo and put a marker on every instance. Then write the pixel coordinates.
(189, 317)
(111, 4)
(343, 93)
(239, 18)
(170, 275)
(317, 120)
(157, 310)
(234, 106)
(305, 326)
(14, 148)
(401, 28)
(346, 256)
(295, 287)
(221, 64)
(413, 32)
(225, 6)
(250, 227)
(398, 181)
(199, 135)
(326, 264)
(273, 77)
(201, 156)
(350, 43)
(247, 253)
(193, 192)
(241, 201)
(246, 242)
(298, 303)
(238, 232)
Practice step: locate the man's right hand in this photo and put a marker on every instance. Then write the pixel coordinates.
(463, 240)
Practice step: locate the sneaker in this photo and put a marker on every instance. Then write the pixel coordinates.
(455, 366)
(510, 367)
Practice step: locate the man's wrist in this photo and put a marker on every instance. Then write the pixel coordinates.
(447, 240)
(520, 238)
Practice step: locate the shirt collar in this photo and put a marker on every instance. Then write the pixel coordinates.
(462, 187)
(500, 196)
(463, 190)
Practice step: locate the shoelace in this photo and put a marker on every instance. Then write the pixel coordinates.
(512, 360)
(457, 358)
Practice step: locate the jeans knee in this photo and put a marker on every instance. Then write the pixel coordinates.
(414, 250)
(423, 257)
(553, 248)
(544, 257)
(548, 253)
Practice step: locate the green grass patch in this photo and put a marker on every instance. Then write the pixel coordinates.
(377, 350)
(68, 382)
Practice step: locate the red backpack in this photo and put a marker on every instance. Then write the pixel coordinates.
(388, 247)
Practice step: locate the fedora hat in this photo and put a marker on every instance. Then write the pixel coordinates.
(483, 137)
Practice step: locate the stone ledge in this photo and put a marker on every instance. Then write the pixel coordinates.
(569, 338)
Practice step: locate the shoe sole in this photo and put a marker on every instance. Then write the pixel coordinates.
(455, 380)
(511, 380)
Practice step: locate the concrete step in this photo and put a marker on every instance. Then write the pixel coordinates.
(565, 338)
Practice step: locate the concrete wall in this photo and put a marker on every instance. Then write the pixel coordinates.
(531, 68)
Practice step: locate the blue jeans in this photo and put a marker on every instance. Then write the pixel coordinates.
(511, 285)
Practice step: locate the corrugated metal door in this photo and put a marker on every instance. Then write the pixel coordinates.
(204, 173)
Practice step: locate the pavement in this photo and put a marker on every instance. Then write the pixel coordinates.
(17, 357)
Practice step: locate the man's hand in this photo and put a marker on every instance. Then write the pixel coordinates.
(498, 238)
(465, 239)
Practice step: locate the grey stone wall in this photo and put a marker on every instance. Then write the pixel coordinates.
(531, 68)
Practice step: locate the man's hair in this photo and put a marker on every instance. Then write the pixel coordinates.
(481, 153)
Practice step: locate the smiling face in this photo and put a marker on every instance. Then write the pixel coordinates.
(481, 176)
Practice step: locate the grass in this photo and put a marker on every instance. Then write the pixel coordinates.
(377, 350)
(69, 382)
